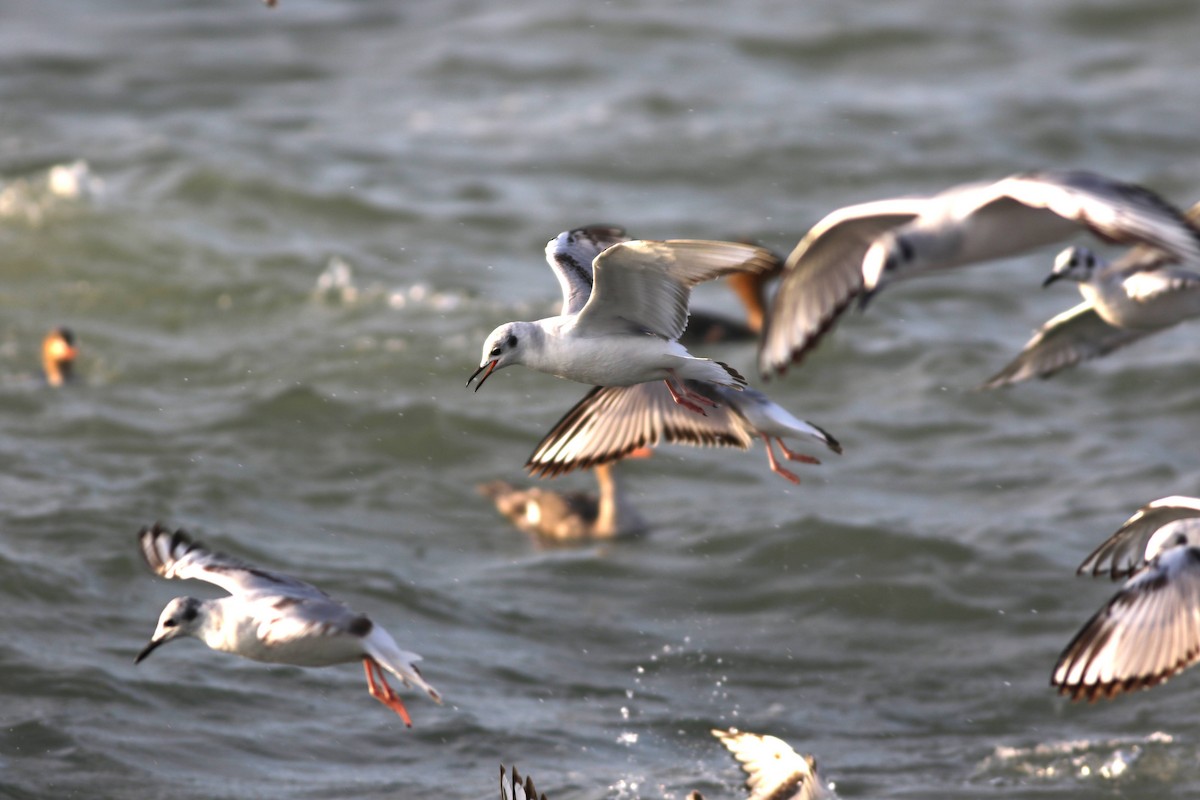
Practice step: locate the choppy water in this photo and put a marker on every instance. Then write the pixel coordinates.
(897, 614)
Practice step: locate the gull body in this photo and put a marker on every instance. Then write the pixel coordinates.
(613, 421)
(1127, 300)
(1148, 631)
(855, 251)
(271, 617)
(621, 320)
(1138, 293)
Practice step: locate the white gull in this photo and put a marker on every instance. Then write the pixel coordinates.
(1148, 631)
(272, 617)
(611, 422)
(855, 251)
(627, 330)
(1125, 301)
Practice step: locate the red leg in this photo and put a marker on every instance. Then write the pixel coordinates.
(794, 456)
(680, 398)
(384, 695)
(775, 467)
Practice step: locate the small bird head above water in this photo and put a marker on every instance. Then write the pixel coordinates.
(503, 348)
(1075, 263)
(58, 356)
(181, 617)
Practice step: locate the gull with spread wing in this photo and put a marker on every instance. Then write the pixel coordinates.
(1149, 630)
(855, 251)
(621, 323)
(1139, 294)
(272, 617)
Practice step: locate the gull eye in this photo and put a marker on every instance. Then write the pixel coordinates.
(495, 351)
(171, 623)
(906, 248)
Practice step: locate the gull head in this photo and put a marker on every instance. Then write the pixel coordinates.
(889, 257)
(1075, 263)
(503, 347)
(183, 616)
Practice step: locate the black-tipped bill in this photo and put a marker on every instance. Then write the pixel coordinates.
(1051, 278)
(150, 647)
(489, 366)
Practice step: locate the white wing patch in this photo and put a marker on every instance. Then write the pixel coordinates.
(774, 770)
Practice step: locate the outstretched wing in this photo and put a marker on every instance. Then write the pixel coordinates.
(570, 255)
(774, 771)
(516, 789)
(1115, 211)
(645, 286)
(610, 422)
(174, 555)
(1075, 335)
(822, 276)
(1144, 635)
(1129, 549)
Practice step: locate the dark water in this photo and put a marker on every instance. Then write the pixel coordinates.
(897, 614)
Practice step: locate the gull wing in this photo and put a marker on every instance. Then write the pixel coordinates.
(176, 556)
(570, 255)
(1114, 211)
(823, 275)
(1130, 548)
(1145, 634)
(1149, 286)
(774, 771)
(1075, 335)
(645, 285)
(517, 789)
(610, 422)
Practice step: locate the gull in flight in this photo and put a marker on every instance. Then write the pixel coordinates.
(272, 617)
(622, 318)
(611, 422)
(774, 771)
(1131, 298)
(1149, 630)
(855, 251)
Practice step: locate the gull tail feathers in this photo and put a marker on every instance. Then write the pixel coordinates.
(401, 663)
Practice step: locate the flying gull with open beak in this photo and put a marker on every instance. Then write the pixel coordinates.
(272, 617)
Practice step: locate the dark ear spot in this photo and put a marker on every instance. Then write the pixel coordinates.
(190, 612)
(511, 341)
(360, 626)
(906, 248)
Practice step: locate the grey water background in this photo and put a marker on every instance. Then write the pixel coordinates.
(296, 226)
